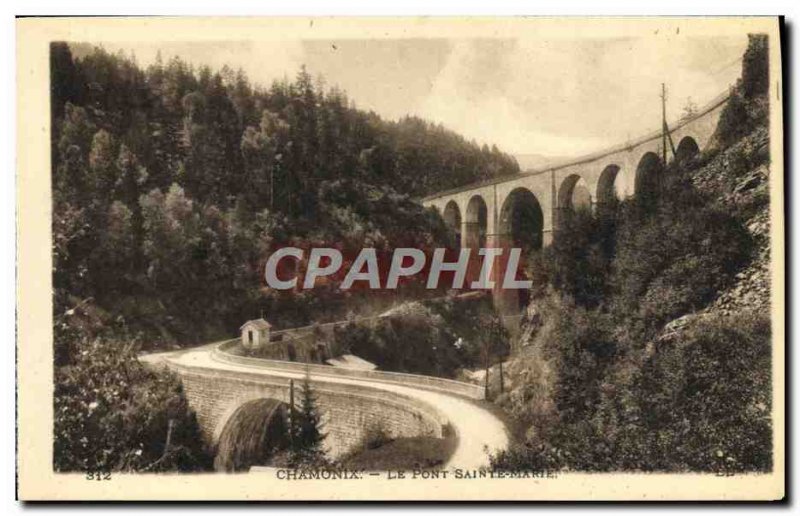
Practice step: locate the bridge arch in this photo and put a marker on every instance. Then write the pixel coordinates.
(521, 225)
(253, 433)
(648, 175)
(452, 218)
(476, 222)
(574, 193)
(687, 149)
(521, 221)
(607, 185)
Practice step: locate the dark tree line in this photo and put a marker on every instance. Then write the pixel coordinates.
(170, 184)
(221, 137)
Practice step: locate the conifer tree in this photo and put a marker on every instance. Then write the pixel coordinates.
(306, 429)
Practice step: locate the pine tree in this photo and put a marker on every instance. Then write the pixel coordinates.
(306, 430)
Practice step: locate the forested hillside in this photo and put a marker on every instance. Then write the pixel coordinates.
(171, 183)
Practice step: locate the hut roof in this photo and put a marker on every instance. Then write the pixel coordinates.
(260, 324)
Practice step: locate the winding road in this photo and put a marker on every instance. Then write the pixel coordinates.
(477, 428)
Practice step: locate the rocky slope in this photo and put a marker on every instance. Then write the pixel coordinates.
(739, 179)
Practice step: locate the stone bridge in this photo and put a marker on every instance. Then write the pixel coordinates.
(526, 209)
(217, 383)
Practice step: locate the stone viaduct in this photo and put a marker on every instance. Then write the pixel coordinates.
(488, 214)
(217, 382)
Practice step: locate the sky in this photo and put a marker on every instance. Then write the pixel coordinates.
(550, 97)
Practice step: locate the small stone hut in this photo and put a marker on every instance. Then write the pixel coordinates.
(255, 333)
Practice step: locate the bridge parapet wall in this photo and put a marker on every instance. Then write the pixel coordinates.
(467, 390)
(347, 410)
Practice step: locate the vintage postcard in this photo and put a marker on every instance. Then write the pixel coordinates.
(400, 259)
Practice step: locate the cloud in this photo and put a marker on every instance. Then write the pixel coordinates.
(568, 97)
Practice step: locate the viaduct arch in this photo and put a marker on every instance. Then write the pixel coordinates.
(475, 228)
(648, 175)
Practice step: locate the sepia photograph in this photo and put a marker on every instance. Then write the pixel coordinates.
(400, 258)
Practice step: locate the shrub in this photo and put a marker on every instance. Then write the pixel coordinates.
(699, 403)
(755, 66)
(708, 396)
(577, 263)
(526, 457)
(734, 121)
(113, 414)
(747, 106)
(581, 348)
(674, 259)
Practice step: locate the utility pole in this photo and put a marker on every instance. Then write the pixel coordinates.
(292, 420)
(502, 376)
(663, 124)
(497, 326)
(665, 135)
(486, 370)
(555, 223)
